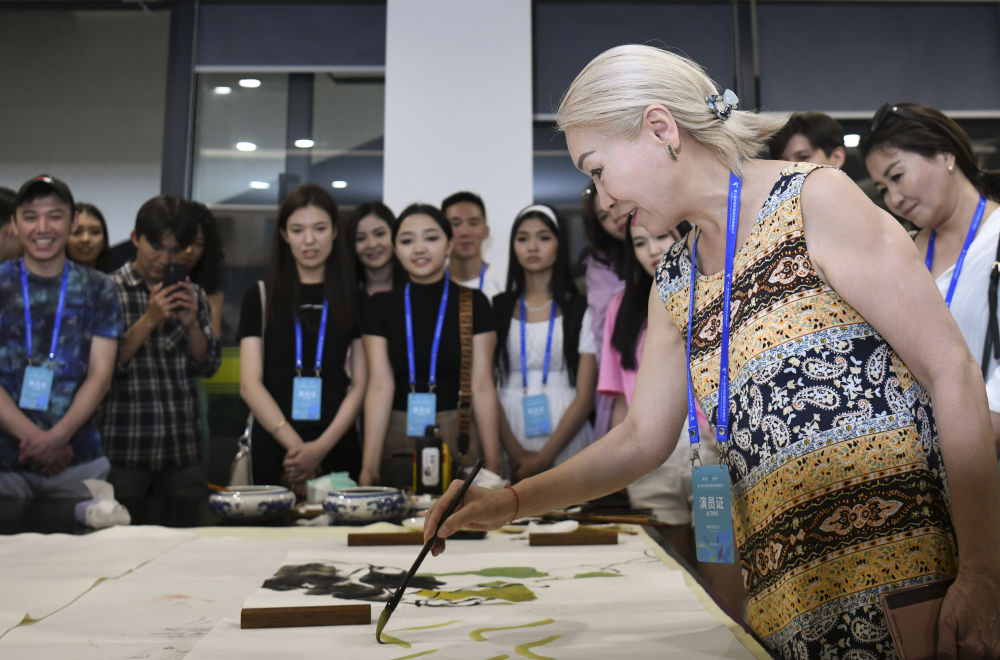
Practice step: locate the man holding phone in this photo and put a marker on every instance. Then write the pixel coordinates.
(151, 425)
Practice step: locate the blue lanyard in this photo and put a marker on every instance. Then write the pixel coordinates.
(437, 336)
(482, 276)
(973, 228)
(548, 346)
(319, 341)
(722, 409)
(59, 311)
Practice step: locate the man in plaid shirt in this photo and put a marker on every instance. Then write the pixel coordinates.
(151, 426)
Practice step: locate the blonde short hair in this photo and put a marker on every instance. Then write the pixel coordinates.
(614, 89)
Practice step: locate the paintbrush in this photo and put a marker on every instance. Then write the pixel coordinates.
(390, 606)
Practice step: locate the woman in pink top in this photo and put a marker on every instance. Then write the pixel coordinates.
(604, 262)
(667, 489)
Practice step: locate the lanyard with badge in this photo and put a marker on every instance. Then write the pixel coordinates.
(713, 514)
(421, 407)
(36, 388)
(307, 392)
(536, 407)
(973, 228)
(482, 276)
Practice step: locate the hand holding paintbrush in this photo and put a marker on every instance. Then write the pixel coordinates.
(390, 606)
(481, 509)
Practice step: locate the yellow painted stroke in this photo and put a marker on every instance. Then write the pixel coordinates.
(389, 639)
(433, 625)
(522, 649)
(499, 657)
(515, 593)
(480, 637)
(416, 655)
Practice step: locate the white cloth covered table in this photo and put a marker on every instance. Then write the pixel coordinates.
(171, 594)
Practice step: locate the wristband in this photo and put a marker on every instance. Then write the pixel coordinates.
(517, 504)
(280, 424)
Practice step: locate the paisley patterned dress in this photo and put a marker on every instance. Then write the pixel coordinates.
(839, 491)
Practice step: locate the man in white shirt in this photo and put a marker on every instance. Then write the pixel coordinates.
(467, 215)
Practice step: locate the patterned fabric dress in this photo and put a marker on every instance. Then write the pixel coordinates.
(839, 491)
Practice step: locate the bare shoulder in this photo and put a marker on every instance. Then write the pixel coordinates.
(840, 220)
(825, 188)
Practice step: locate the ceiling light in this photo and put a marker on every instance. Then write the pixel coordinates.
(260, 185)
(851, 140)
(304, 143)
(249, 83)
(246, 146)
(223, 90)
(338, 184)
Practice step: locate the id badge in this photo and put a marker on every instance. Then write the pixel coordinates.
(36, 388)
(536, 415)
(307, 394)
(713, 514)
(421, 410)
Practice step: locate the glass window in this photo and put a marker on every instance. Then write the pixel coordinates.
(258, 135)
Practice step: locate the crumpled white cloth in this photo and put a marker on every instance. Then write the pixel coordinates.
(103, 510)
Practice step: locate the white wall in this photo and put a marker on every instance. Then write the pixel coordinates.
(84, 96)
(458, 107)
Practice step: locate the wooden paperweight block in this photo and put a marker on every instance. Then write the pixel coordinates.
(317, 615)
(582, 536)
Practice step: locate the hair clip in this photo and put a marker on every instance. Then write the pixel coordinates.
(722, 106)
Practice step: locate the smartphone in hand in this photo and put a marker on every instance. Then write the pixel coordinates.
(173, 274)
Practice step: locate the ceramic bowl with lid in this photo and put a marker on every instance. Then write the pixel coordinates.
(366, 504)
(251, 501)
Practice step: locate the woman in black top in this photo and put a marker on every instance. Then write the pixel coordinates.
(422, 241)
(206, 262)
(369, 230)
(300, 432)
(88, 242)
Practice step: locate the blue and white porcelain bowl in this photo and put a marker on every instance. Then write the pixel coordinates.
(366, 504)
(251, 501)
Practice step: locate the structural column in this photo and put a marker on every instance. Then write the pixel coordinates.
(458, 107)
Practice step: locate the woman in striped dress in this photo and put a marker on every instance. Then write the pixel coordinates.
(857, 435)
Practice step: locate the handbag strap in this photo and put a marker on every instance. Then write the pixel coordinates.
(263, 325)
(263, 314)
(465, 375)
(991, 346)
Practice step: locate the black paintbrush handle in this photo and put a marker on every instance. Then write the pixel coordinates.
(391, 605)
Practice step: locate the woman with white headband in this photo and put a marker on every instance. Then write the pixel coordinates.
(545, 348)
(856, 456)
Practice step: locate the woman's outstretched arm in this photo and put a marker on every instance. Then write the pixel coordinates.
(641, 442)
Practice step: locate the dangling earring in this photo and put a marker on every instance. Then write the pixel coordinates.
(670, 150)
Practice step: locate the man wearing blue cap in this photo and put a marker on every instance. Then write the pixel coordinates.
(59, 329)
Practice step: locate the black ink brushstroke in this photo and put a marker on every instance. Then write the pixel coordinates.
(375, 584)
